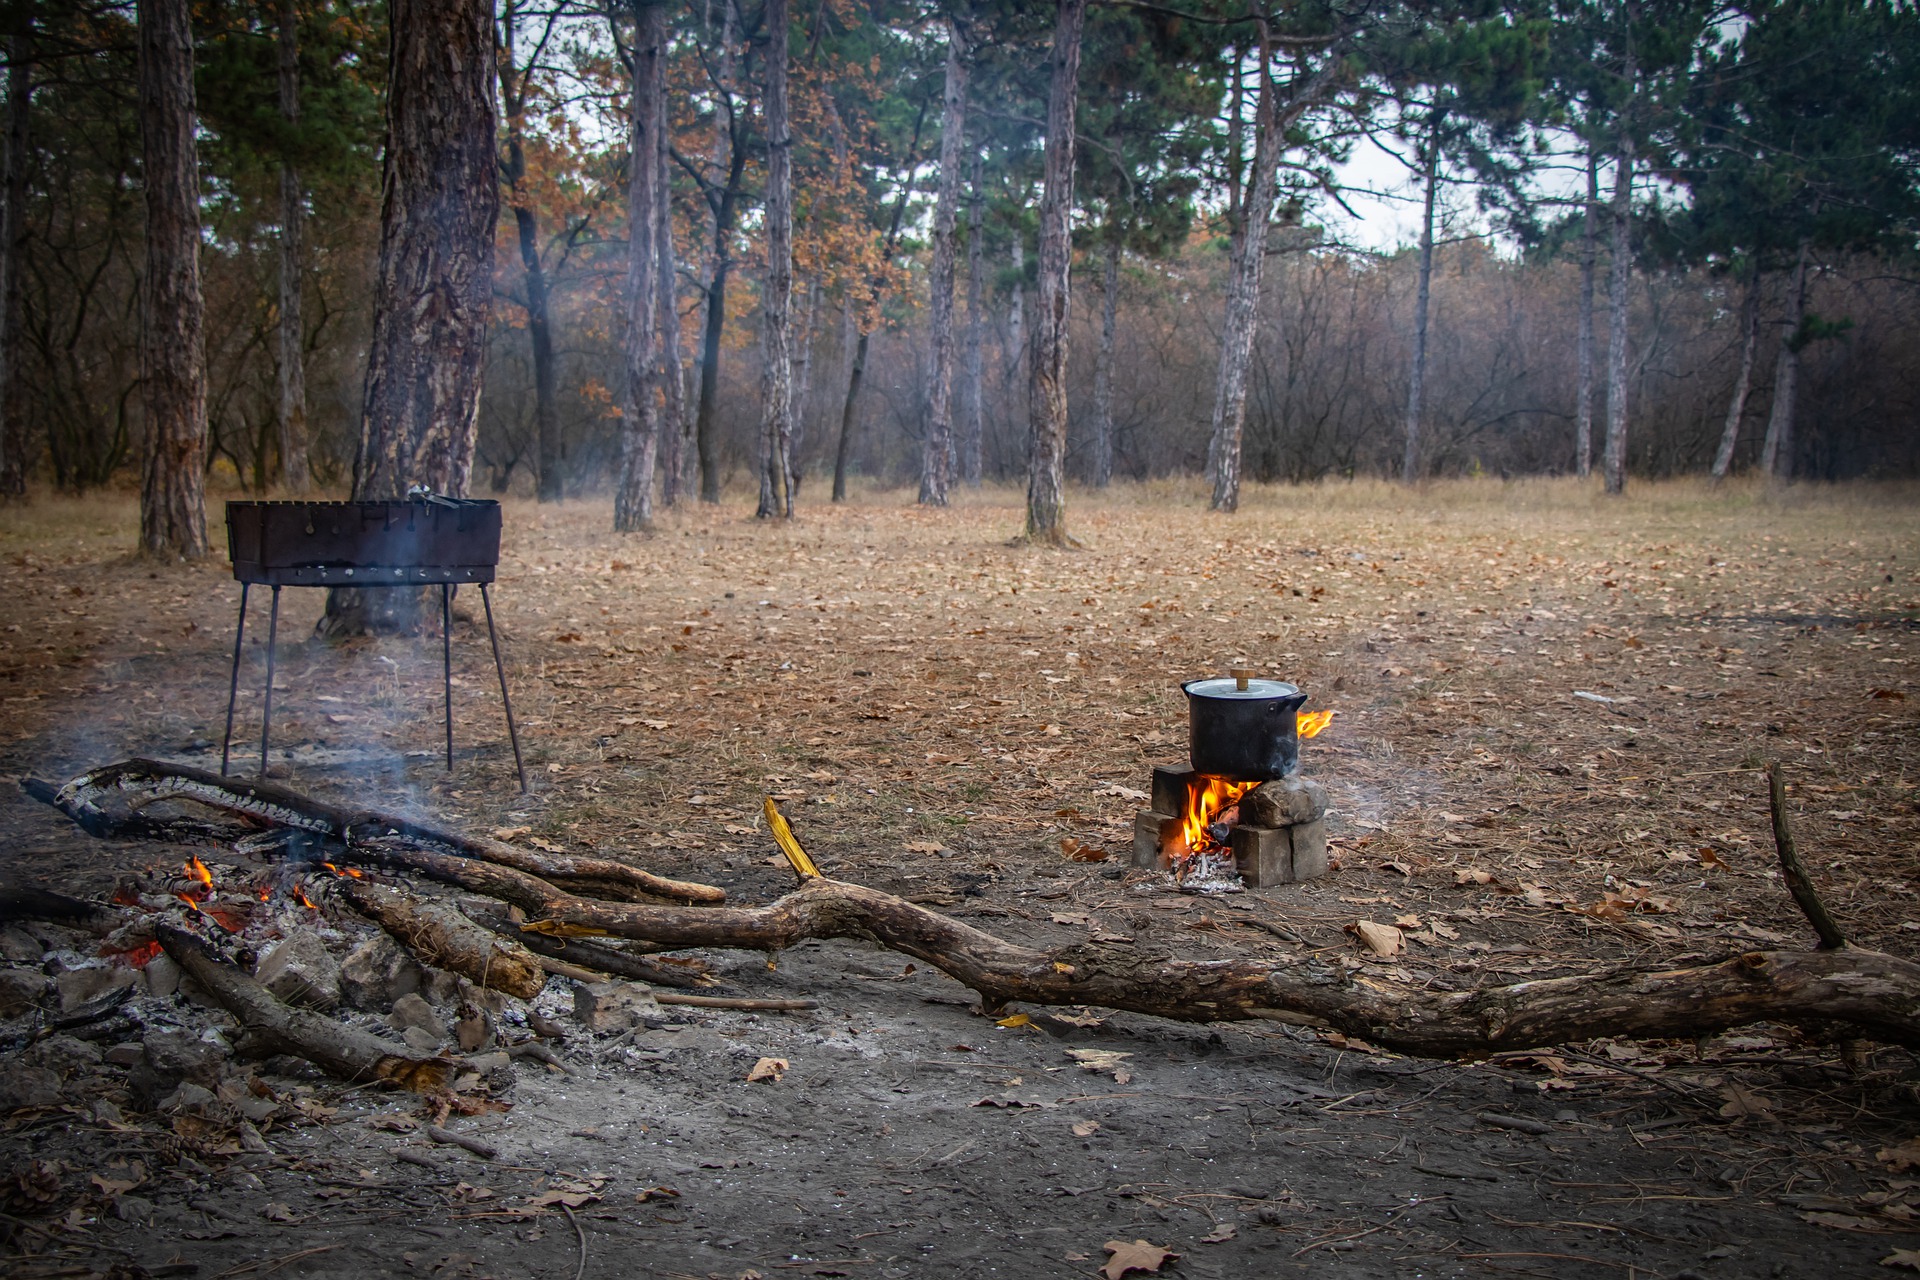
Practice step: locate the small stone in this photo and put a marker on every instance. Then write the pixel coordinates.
(19, 946)
(173, 1056)
(487, 1062)
(163, 976)
(24, 1086)
(474, 1031)
(188, 1097)
(442, 988)
(133, 1209)
(612, 1006)
(412, 1012)
(21, 990)
(378, 972)
(83, 986)
(301, 971)
(126, 1054)
(420, 1040)
(62, 1055)
(1284, 802)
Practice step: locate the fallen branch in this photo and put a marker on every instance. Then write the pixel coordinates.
(274, 1027)
(449, 1138)
(109, 801)
(1798, 884)
(441, 935)
(735, 1002)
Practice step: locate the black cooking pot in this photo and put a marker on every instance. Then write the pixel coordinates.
(1243, 728)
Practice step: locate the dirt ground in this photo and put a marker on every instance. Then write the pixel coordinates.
(1551, 712)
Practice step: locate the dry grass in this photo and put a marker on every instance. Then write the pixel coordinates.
(938, 708)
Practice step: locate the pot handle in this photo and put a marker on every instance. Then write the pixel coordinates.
(1240, 677)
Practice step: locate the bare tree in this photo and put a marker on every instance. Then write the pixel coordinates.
(1583, 388)
(1743, 380)
(678, 426)
(13, 293)
(640, 411)
(516, 78)
(1776, 454)
(776, 395)
(1047, 397)
(974, 410)
(1619, 283)
(1103, 364)
(173, 371)
(291, 416)
(936, 470)
(1423, 292)
(440, 199)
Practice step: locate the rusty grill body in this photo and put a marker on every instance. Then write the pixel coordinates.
(423, 541)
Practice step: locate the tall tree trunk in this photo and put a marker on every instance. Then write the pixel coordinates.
(291, 418)
(1246, 257)
(548, 448)
(776, 301)
(173, 371)
(13, 239)
(973, 410)
(675, 446)
(1743, 380)
(1103, 366)
(1619, 281)
(1015, 373)
(1417, 378)
(729, 159)
(1776, 455)
(1583, 390)
(440, 199)
(639, 410)
(1047, 399)
(936, 470)
(803, 382)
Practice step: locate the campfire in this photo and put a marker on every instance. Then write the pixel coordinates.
(1240, 815)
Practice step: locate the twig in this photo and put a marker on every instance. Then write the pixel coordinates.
(262, 1268)
(420, 1158)
(1831, 939)
(461, 1140)
(581, 1236)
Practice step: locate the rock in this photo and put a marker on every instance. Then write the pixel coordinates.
(78, 987)
(378, 972)
(23, 1086)
(187, 1097)
(487, 1062)
(474, 1031)
(62, 1055)
(301, 971)
(19, 946)
(442, 988)
(1284, 802)
(133, 1209)
(170, 1057)
(163, 976)
(20, 990)
(612, 1006)
(125, 1055)
(420, 1040)
(412, 1012)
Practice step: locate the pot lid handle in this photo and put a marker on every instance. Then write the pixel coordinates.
(1240, 677)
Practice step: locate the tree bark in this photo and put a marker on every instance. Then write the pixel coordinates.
(678, 427)
(173, 370)
(1246, 259)
(290, 420)
(640, 411)
(1103, 366)
(1015, 356)
(776, 298)
(1583, 390)
(1047, 397)
(440, 934)
(973, 410)
(440, 199)
(936, 462)
(1619, 284)
(548, 448)
(13, 239)
(1743, 379)
(1776, 454)
(1417, 378)
(731, 159)
(803, 382)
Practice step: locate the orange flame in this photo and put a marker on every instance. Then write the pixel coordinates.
(1207, 798)
(343, 871)
(197, 870)
(300, 892)
(140, 956)
(1312, 722)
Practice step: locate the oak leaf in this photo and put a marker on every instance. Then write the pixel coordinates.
(771, 1069)
(1137, 1256)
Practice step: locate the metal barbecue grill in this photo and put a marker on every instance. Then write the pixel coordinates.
(425, 540)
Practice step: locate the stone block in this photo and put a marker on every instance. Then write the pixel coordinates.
(301, 971)
(84, 986)
(412, 1012)
(1262, 855)
(612, 1006)
(1284, 802)
(1154, 836)
(378, 972)
(171, 1057)
(163, 976)
(1309, 849)
(1170, 788)
(21, 990)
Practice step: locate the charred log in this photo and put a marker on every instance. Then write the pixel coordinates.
(441, 935)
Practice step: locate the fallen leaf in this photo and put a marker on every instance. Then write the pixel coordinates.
(1381, 939)
(571, 1198)
(655, 1193)
(1905, 1156)
(1845, 1222)
(277, 1212)
(924, 846)
(1015, 1020)
(658, 725)
(1472, 875)
(1401, 867)
(1742, 1103)
(1908, 1258)
(1078, 852)
(1099, 1059)
(1408, 921)
(1081, 1129)
(547, 845)
(1221, 1233)
(510, 833)
(767, 1069)
(1125, 793)
(1137, 1256)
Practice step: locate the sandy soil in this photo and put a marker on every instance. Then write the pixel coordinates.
(937, 710)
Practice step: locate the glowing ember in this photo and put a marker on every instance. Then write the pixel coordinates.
(300, 893)
(141, 955)
(1207, 800)
(202, 878)
(1312, 722)
(343, 871)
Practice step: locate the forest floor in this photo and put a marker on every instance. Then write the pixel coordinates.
(1552, 710)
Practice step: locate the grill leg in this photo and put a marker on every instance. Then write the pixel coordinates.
(233, 681)
(500, 669)
(446, 663)
(266, 713)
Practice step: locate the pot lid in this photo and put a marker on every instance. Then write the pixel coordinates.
(1229, 687)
